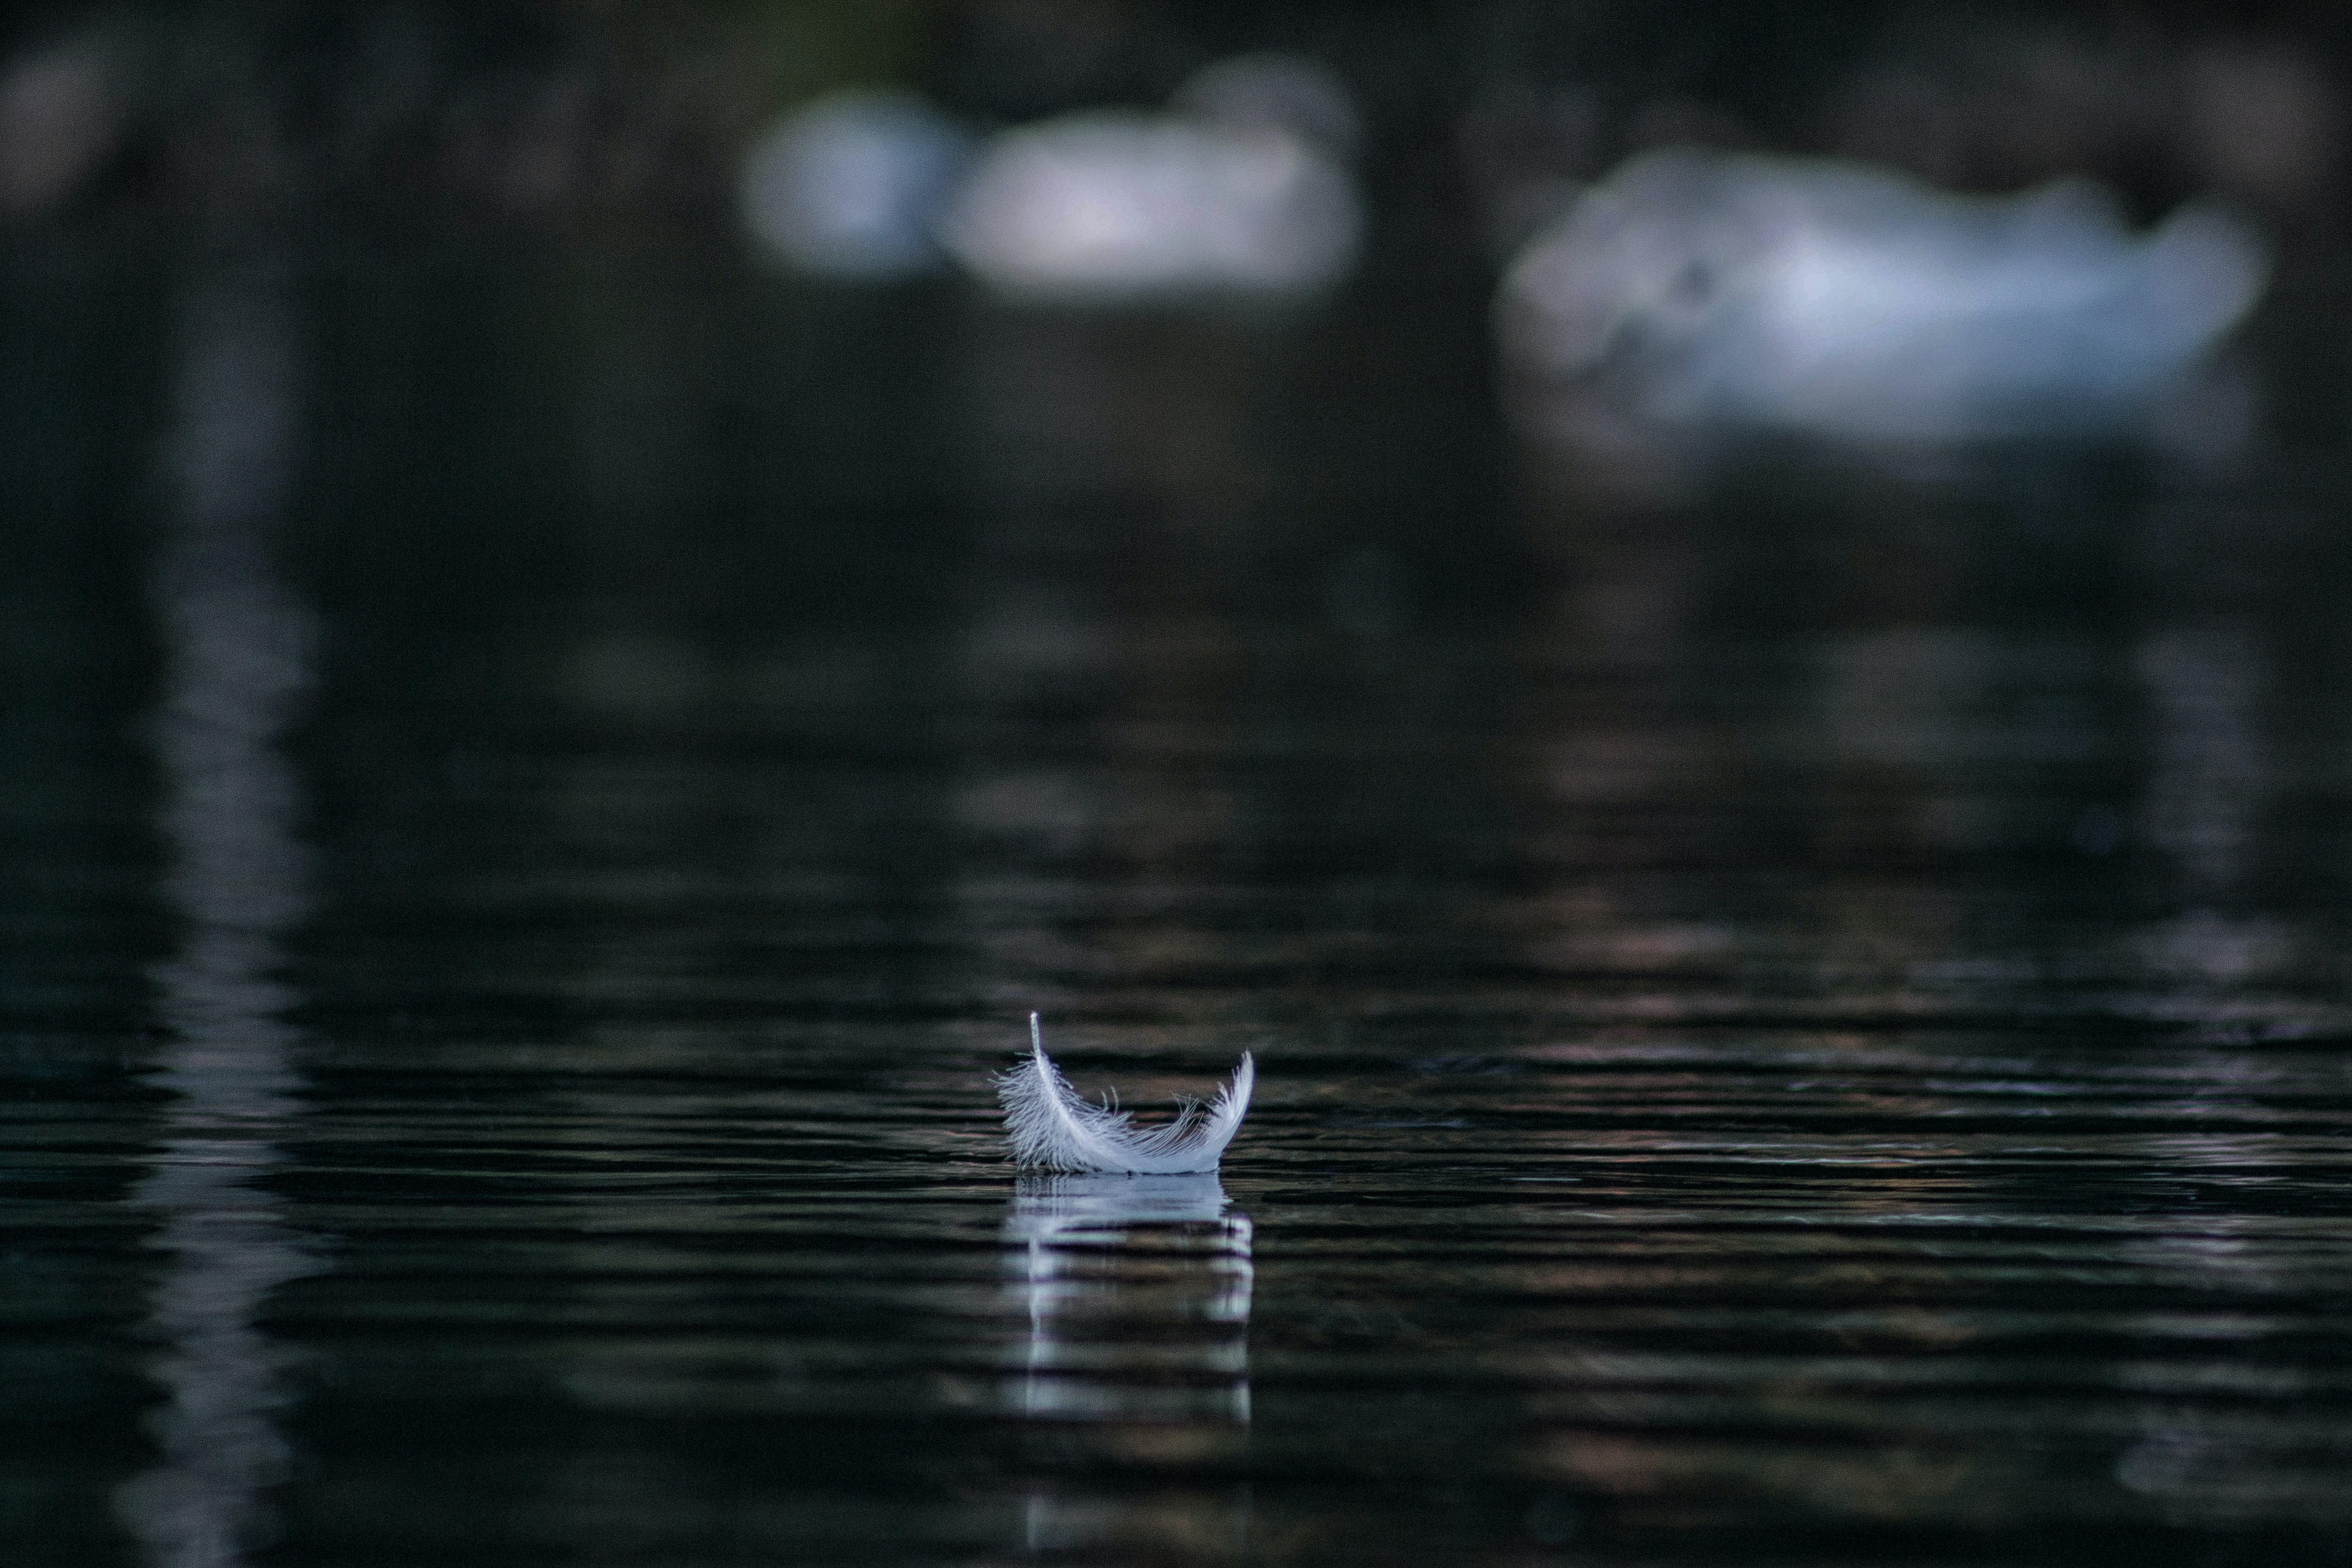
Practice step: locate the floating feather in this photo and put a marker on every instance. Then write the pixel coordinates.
(1051, 1127)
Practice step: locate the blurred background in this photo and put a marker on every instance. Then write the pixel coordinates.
(1717, 629)
(386, 124)
(681, 282)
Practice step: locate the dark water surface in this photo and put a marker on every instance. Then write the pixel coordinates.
(1812, 1024)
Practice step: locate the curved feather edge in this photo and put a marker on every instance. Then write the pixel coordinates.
(1053, 1127)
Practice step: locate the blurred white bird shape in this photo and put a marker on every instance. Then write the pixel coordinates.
(1701, 288)
(1242, 189)
(1051, 1127)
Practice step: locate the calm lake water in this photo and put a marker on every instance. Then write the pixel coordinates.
(1805, 1021)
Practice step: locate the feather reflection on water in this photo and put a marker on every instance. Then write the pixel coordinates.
(1138, 1292)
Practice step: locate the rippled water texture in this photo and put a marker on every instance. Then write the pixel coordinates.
(1801, 1023)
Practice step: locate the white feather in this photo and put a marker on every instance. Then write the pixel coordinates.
(1053, 1128)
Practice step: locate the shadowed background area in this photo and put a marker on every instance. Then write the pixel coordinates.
(598, 599)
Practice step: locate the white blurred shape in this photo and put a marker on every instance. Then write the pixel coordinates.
(850, 186)
(1243, 193)
(1701, 288)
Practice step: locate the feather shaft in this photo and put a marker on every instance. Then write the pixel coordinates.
(1053, 1127)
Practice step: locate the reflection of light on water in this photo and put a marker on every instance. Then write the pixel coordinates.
(1096, 1257)
(2204, 687)
(2223, 1438)
(2205, 799)
(238, 659)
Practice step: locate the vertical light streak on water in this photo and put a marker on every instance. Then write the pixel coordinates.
(237, 660)
(2204, 807)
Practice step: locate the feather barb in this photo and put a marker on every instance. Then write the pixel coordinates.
(1053, 1127)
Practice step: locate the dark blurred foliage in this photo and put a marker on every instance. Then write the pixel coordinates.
(391, 121)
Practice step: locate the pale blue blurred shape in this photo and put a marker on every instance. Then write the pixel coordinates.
(849, 185)
(1701, 288)
(1244, 191)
